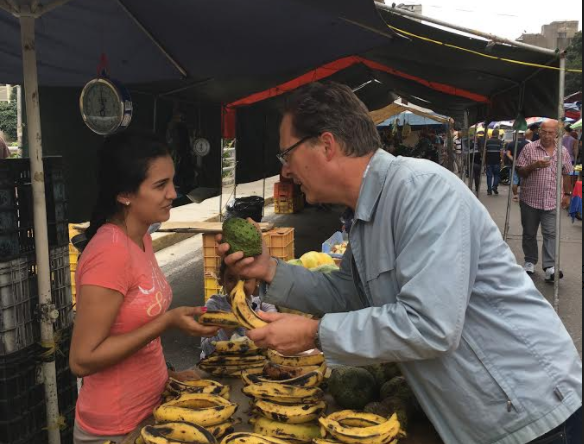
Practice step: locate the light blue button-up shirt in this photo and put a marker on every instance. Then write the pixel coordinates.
(429, 283)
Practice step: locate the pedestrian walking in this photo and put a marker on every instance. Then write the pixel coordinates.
(494, 158)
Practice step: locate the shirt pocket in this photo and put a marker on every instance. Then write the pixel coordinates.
(490, 382)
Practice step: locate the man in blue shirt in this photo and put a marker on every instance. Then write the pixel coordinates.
(427, 282)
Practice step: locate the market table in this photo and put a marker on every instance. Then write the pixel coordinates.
(419, 433)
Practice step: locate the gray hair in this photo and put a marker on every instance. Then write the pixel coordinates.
(331, 107)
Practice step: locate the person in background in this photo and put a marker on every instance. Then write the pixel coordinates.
(124, 299)
(538, 167)
(535, 132)
(494, 158)
(222, 302)
(510, 153)
(4, 151)
(571, 144)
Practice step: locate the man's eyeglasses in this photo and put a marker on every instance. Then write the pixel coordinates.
(283, 156)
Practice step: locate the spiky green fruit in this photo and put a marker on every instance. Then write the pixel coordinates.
(243, 236)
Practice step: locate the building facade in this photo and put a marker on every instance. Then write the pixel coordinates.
(553, 36)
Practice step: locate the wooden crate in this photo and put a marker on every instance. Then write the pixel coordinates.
(279, 241)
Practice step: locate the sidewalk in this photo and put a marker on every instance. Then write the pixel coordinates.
(208, 211)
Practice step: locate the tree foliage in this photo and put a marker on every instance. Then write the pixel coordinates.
(8, 119)
(574, 61)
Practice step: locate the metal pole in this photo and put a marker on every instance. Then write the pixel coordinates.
(484, 35)
(560, 191)
(474, 155)
(465, 136)
(450, 148)
(509, 199)
(19, 115)
(27, 25)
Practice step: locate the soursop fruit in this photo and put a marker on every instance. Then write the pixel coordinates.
(242, 236)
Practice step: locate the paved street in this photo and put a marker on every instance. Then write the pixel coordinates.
(182, 264)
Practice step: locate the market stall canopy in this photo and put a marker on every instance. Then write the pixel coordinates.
(383, 117)
(411, 119)
(181, 43)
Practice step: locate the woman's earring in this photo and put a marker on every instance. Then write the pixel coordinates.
(127, 204)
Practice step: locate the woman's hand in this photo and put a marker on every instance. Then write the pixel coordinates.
(183, 318)
(187, 375)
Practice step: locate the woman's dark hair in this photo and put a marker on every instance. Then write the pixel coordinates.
(568, 128)
(124, 160)
(331, 107)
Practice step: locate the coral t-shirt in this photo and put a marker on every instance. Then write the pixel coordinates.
(116, 400)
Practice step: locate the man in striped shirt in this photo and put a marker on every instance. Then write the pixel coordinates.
(538, 166)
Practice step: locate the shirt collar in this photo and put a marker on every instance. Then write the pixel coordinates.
(372, 186)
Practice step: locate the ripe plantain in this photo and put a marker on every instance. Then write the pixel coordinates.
(221, 430)
(234, 360)
(175, 433)
(202, 386)
(295, 361)
(239, 347)
(222, 319)
(242, 311)
(309, 380)
(202, 410)
(294, 432)
(251, 438)
(283, 394)
(352, 418)
(385, 433)
(290, 414)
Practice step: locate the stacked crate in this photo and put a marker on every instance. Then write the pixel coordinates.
(280, 243)
(22, 399)
(288, 199)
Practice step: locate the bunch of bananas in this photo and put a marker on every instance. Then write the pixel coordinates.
(287, 399)
(232, 358)
(351, 427)
(251, 438)
(194, 411)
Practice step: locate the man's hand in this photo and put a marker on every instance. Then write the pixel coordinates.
(541, 164)
(566, 201)
(287, 334)
(261, 267)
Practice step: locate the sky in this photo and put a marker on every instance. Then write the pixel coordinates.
(504, 18)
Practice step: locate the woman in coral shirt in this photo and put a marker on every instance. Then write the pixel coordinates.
(123, 296)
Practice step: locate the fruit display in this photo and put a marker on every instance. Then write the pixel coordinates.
(233, 358)
(242, 236)
(340, 248)
(314, 259)
(222, 319)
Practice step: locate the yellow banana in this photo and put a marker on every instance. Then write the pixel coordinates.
(239, 347)
(221, 430)
(284, 394)
(242, 311)
(221, 319)
(295, 432)
(202, 410)
(175, 433)
(295, 361)
(234, 360)
(281, 372)
(352, 418)
(290, 414)
(384, 433)
(139, 440)
(309, 380)
(233, 372)
(324, 441)
(251, 438)
(203, 386)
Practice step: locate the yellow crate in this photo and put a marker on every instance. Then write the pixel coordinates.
(287, 205)
(73, 261)
(212, 286)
